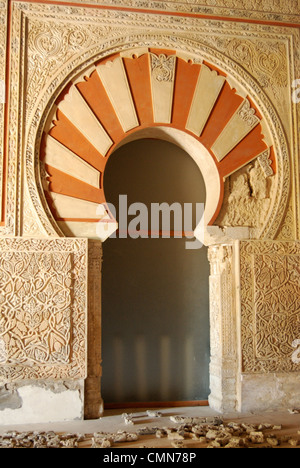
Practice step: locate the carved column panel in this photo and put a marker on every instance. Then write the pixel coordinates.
(93, 404)
(269, 324)
(42, 309)
(223, 338)
(270, 304)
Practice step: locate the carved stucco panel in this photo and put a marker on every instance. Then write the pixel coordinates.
(270, 305)
(276, 10)
(43, 309)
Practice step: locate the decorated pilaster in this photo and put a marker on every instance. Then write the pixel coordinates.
(223, 329)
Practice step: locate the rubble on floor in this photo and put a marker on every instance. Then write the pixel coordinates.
(39, 439)
(207, 432)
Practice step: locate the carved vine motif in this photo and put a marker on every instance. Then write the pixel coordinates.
(163, 67)
(270, 305)
(269, 9)
(42, 308)
(247, 114)
(265, 163)
(267, 60)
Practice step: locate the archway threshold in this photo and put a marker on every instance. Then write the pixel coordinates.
(156, 404)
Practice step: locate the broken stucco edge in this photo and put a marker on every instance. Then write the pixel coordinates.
(41, 402)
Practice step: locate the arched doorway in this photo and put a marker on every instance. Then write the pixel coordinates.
(155, 299)
(234, 128)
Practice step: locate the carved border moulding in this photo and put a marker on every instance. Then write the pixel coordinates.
(270, 305)
(276, 10)
(43, 309)
(3, 35)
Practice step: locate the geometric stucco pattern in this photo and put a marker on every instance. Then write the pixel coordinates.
(43, 309)
(270, 305)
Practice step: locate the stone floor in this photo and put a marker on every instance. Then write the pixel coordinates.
(113, 421)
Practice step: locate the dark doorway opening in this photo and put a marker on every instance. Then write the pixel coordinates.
(155, 293)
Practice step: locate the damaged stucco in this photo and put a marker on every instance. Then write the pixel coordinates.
(39, 402)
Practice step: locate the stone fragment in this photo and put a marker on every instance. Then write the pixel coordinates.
(128, 421)
(249, 427)
(264, 426)
(177, 444)
(212, 434)
(120, 437)
(217, 421)
(181, 419)
(198, 430)
(128, 418)
(123, 436)
(131, 437)
(256, 437)
(160, 433)
(273, 441)
(69, 443)
(214, 444)
(101, 442)
(154, 414)
(223, 440)
(147, 430)
(235, 442)
(187, 420)
(175, 435)
(294, 442)
(6, 443)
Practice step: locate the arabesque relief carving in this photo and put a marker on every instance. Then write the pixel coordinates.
(270, 305)
(162, 67)
(43, 309)
(36, 307)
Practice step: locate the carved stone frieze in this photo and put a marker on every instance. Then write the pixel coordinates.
(43, 309)
(270, 305)
(276, 10)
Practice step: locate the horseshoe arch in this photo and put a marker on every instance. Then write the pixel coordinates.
(161, 93)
